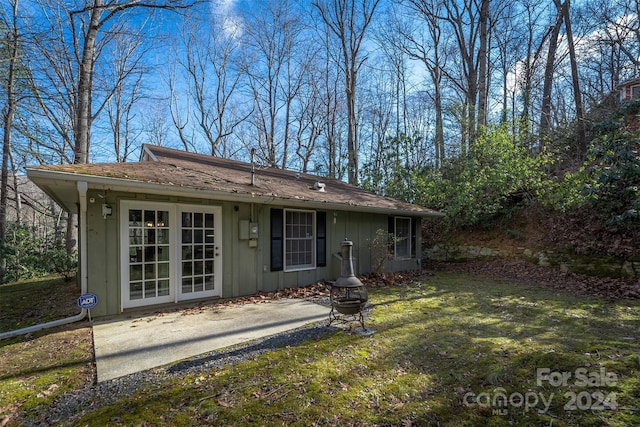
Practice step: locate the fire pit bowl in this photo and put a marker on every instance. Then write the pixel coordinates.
(348, 295)
(348, 306)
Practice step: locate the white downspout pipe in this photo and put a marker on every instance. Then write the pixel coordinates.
(82, 226)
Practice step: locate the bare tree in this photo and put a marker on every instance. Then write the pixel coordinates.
(330, 84)
(272, 35)
(348, 21)
(155, 126)
(86, 24)
(468, 21)
(529, 66)
(575, 83)
(545, 112)
(215, 69)
(428, 50)
(179, 106)
(307, 118)
(483, 64)
(72, 41)
(72, 38)
(126, 74)
(9, 53)
(623, 27)
(396, 58)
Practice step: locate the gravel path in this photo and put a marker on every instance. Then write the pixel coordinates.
(71, 406)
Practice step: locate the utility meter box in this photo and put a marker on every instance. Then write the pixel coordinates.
(253, 230)
(247, 230)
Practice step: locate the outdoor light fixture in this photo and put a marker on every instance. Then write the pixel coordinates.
(106, 211)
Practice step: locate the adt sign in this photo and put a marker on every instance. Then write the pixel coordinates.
(87, 300)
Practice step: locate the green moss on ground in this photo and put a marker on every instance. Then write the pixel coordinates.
(443, 346)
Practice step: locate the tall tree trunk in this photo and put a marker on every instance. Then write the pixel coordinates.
(16, 189)
(348, 21)
(9, 113)
(439, 136)
(577, 95)
(352, 131)
(82, 127)
(545, 111)
(483, 77)
(71, 233)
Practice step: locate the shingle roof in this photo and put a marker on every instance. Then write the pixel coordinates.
(228, 179)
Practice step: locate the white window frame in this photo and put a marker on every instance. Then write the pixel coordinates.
(175, 277)
(408, 237)
(287, 238)
(216, 246)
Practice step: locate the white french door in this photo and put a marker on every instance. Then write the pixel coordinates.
(169, 252)
(200, 256)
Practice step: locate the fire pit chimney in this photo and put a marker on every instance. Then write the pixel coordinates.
(348, 295)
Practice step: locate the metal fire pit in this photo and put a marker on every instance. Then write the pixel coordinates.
(348, 295)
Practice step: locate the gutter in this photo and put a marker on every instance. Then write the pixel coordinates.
(128, 185)
(82, 219)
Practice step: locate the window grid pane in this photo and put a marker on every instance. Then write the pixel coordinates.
(198, 252)
(299, 239)
(148, 253)
(403, 238)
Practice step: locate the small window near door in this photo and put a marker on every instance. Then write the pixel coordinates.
(404, 231)
(403, 238)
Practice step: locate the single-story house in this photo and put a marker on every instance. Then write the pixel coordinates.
(178, 226)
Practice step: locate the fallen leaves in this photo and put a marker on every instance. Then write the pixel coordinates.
(48, 391)
(531, 274)
(316, 290)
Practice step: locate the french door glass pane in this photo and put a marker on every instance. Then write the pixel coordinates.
(163, 288)
(198, 251)
(135, 290)
(209, 283)
(148, 253)
(135, 218)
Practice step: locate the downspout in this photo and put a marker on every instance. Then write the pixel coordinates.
(82, 222)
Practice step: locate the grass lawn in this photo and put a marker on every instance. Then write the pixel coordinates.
(448, 350)
(37, 368)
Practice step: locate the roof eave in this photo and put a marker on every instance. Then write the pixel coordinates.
(66, 195)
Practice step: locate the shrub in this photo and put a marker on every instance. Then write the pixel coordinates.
(496, 174)
(28, 256)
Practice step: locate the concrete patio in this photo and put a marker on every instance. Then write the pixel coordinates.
(132, 343)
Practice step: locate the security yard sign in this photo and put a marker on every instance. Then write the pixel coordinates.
(87, 300)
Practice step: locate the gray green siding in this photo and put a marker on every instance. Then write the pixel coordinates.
(246, 270)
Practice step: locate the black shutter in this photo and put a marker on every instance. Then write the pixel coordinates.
(414, 239)
(392, 231)
(277, 239)
(321, 239)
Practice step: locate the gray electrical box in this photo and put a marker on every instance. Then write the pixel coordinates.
(243, 229)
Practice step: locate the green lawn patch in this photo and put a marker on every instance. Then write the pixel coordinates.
(30, 302)
(448, 350)
(36, 368)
